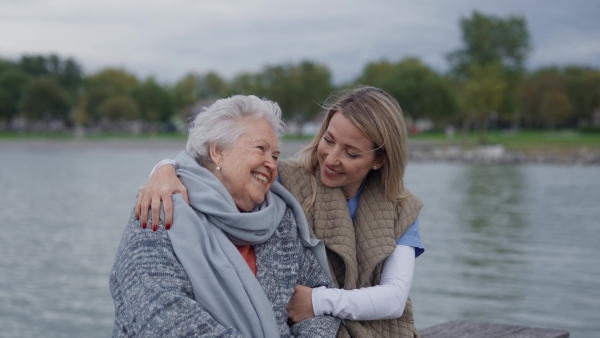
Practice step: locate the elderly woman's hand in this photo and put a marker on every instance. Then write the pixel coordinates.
(300, 306)
(161, 186)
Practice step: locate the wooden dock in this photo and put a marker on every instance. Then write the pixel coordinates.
(469, 329)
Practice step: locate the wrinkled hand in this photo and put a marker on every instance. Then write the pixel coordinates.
(300, 306)
(161, 186)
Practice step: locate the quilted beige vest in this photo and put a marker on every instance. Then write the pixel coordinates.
(356, 251)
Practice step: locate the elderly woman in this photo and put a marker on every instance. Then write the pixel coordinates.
(230, 264)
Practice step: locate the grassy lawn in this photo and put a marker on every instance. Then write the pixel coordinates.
(526, 140)
(36, 136)
(90, 137)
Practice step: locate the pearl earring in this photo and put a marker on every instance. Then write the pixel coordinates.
(374, 167)
(218, 168)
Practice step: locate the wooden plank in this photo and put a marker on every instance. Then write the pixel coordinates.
(469, 329)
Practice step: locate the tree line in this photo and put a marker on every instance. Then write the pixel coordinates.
(487, 84)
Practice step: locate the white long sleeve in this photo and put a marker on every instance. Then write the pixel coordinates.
(162, 162)
(384, 301)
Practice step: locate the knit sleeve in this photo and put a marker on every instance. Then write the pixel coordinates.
(152, 294)
(319, 326)
(312, 275)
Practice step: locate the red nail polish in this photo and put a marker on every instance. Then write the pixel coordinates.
(144, 225)
(168, 226)
(154, 227)
(137, 217)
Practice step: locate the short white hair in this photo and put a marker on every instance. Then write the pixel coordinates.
(221, 123)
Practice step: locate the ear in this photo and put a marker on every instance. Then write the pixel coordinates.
(380, 161)
(216, 154)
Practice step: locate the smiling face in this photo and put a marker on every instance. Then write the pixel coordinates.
(345, 156)
(249, 167)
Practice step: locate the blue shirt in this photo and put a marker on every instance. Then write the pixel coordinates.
(411, 237)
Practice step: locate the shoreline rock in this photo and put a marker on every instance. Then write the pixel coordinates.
(497, 154)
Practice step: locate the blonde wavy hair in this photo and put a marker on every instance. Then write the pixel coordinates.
(379, 116)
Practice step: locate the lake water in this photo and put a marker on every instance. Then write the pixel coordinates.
(504, 244)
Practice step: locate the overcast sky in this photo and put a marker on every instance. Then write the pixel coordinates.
(170, 38)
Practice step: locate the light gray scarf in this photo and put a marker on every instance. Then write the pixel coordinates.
(204, 236)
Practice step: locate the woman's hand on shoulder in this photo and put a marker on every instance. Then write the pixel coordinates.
(300, 306)
(160, 187)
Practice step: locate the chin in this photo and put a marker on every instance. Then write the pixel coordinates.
(244, 209)
(256, 201)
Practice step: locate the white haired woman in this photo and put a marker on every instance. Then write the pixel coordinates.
(350, 181)
(231, 262)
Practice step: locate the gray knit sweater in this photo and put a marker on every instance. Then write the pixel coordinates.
(154, 298)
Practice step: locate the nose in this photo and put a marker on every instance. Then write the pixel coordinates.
(270, 163)
(333, 157)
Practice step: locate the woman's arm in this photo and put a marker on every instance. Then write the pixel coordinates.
(153, 296)
(163, 183)
(384, 301)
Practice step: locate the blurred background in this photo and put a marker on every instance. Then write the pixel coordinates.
(502, 100)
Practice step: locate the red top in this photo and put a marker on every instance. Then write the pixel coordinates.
(247, 252)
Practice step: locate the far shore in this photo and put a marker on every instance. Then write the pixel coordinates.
(419, 151)
(288, 148)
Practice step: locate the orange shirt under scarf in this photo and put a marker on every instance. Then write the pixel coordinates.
(247, 252)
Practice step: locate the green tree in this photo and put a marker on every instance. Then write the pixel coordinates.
(555, 107)
(67, 72)
(154, 101)
(193, 88)
(211, 86)
(482, 94)
(104, 85)
(297, 88)
(70, 76)
(374, 73)
(6, 65)
(277, 83)
(34, 65)
(246, 84)
(489, 40)
(314, 85)
(41, 75)
(185, 95)
(582, 85)
(44, 99)
(536, 96)
(12, 86)
(120, 107)
(80, 116)
(421, 92)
